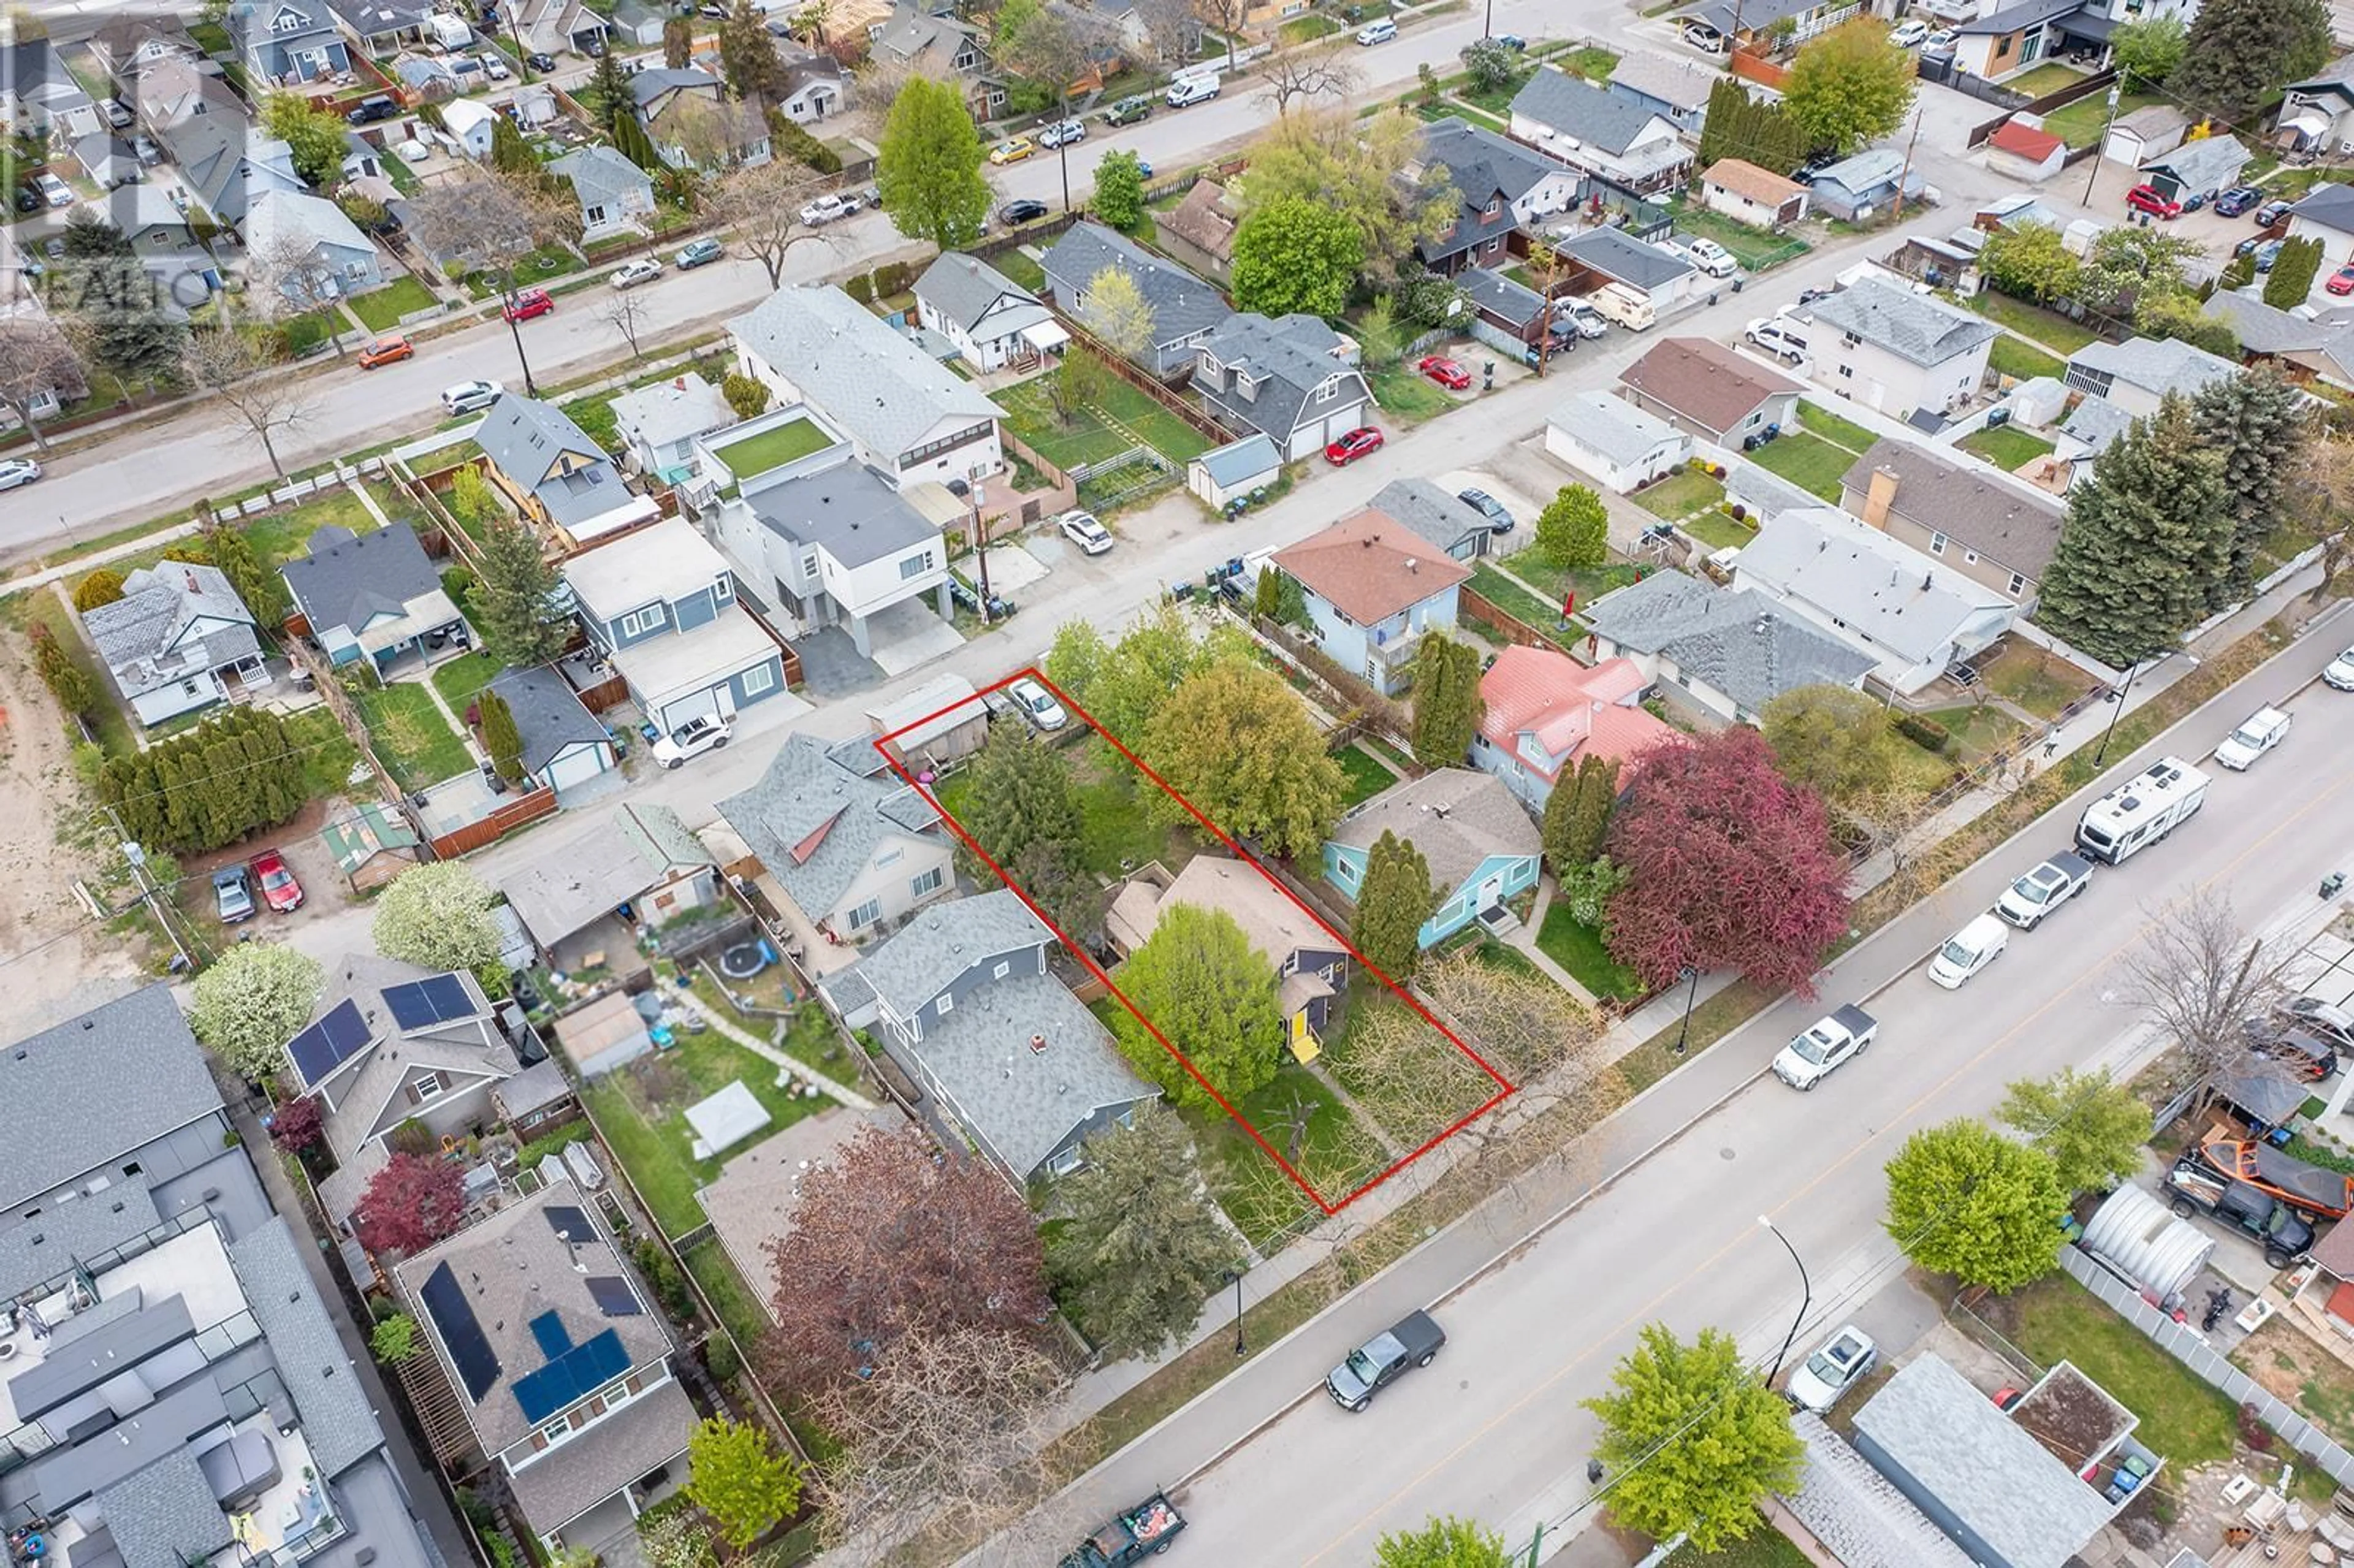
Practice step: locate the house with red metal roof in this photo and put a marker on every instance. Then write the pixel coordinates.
(1546, 713)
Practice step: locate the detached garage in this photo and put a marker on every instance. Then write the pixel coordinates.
(1232, 471)
(564, 746)
(607, 1033)
(1614, 441)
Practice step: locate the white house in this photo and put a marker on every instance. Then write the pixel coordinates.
(906, 414)
(1663, 278)
(178, 640)
(2136, 375)
(1915, 617)
(993, 321)
(660, 605)
(2022, 149)
(1614, 441)
(658, 425)
(1618, 139)
(2319, 110)
(471, 124)
(1746, 194)
(613, 193)
(1888, 348)
(2326, 214)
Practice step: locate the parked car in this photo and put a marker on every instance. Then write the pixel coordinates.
(1968, 950)
(54, 191)
(1063, 134)
(2342, 281)
(1589, 322)
(705, 732)
(2267, 253)
(1826, 1046)
(2194, 1187)
(1941, 42)
(368, 111)
(1843, 1361)
(280, 890)
(1777, 337)
(644, 269)
(1380, 32)
(528, 304)
(1037, 705)
(2150, 199)
(1513, 42)
(389, 349)
(2264, 729)
(825, 209)
(1909, 35)
(2326, 1019)
(118, 113)
(2272, 212)
(2237, 200)
(144, 149)
(541, 61)
(2026, 903)
(1711, 258)
(1414, 1340)
(2340, 672)
(1498, 520)
(1362, 441)
(1013, 213)
(1012, 150)
(468, 396)
(1446, 372)
(28, 199)
(698, 253)
(1082, 529)
(1128, 110)
(15, 472)
(1132, 1535)
(232, 895)
(1188, 90)
(2306, 1056)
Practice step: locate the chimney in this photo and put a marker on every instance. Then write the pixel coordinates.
(1878, 497)
(192, 580)
(1037, 1045)
(1412, 564)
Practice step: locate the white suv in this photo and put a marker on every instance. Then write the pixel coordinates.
(1843, 1362)
(706, 732)
(1777, 337)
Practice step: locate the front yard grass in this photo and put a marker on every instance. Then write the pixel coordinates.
(1767, 1547)
(1811, 464)
(1407, 396)
(1579, 949)
(1334, 1154)
(1977, 729)
(2057, 1320)
(2042, 683)
(410, 736)
(328, 755)
(381, 309)
(1680, 495)
(2007, 447)
(1365, 774)
(2022, 361)
(2080, 123)
(1840, 432)
(1020, 267)
(2049, 328)
(1415, 1088)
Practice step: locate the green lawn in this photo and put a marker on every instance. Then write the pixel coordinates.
(1336, 1156)
(1588, 60)
(1820, 421)
(1553, 582)
(642, 1111)
(1976, 730)
(1680, 495)
(772, 447)
(1718, 531)
(2022, 361)
(328, 754)
(458, 679)
(2049, 328)
(1366, 776)
(2047, 77)
(2080, 123)
(2007, 447)
(1021, 268)
(1811, 464)
(381, 309)
(1579, 949)
(1307, 29)
(1756, 250)
(1407, 396)
(1120, 418)
(410, 736)
(2058, 1320)
(729, 1293)
(1766, 1548)
(1116, 833)
(1513, 599)
(1167, 434)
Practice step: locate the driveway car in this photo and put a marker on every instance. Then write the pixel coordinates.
(1024, 210)
(1842, 1362)
(2264, 729)
(389, 349)
(496, 67)
(1711, 258)
(2149, 199)
(527, 304)
(2340, 672)
(1012, 150)
(2267, 253)
(54, 191)
(1037, 705)
(1446, 372)
(2306, 1056)
(280, 890)
(644, 269)
(825, 209)
(1775, 337)
(541, 61)
(1362, 441)
(1082, 529)
(15, 472)
(1589, 322)
(2314, 1016)
(1940, 42)
(1380, 32)
(468, 396)
(2237, 200)
(698, 253)
(2272, 212)
(1498, 520)
(2342, 281)
(232, 895)
(1128, 110)
(1062, 134)
(1909, 35)
(705, 732)
(118, 113)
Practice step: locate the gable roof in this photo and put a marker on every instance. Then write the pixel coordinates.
(1489, 290)
(1868, 170)
(293, 221)
(1423, 506)
(2006, 523)
(578, 880)
(1739, 641)
(1182, 304)
(1629, 261)
(549, 714)
(1856, 1512)
(1370, 568)
(525, 438)
(2331, 205)
(1236, 461)
(671, 411)
(1204, 219)
(1914, 327)
(374, 18)
(1574, 711)
(2157, 365)
(873, 382)
(1478, 161)
(158, 605)
(1457, 817)
(2261, 329)
(349, 578)
(1289, 359)
(102, 1083)
(599, 174)
(1705, 382)
(962, 288)
(1672, 81)
(2202, 164)
(1744, 178)
(814, 822)
(1888, 593)
(2019, 139)
(1573, 106)
(1270, 921)
(657, 82)
(925, 957)
(1612, 426)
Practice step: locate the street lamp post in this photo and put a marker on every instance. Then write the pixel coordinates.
(1237, 1276)
(2116, 712)
(1684, 1031)
(1805, 1299)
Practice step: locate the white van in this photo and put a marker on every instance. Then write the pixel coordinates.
(450, 32)
(1187, 90)
(1629, 308)
(1968, 950)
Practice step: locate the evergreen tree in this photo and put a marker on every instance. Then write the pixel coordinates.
(630, 139)
(1020, 796)
(748, 55)
(261, 589)
(501, 738)
(1140, 1244)
(511, 601)
(2294, 270)
(1448, 706)
(2258, 423)
(119, 321)
(510, 154)
(2241, 53)
(102, 587)
(1740, 126)
(607, 96)
(73, 686)
(2145, 541)
(89, 237)
(1577, 814)
(1393, 903)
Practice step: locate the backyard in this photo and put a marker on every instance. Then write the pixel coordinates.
(1408, 397)
(458, 679)
(1680, 495)
(2022, 361)
(1121, 417)
(2049, 328)
(1117, 831)
(1328, 1149)
(1815, 456)
(1977, 729)
(1579, 949)
(1840, 432)
(1718, 531)
(730, 1295)
(410, 736)
(1507, 595)
(1365, 773)
(2007, 447)
(1756, 250)
(2080, 123)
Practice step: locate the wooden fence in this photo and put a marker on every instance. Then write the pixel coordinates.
(609, 692)
(504, 818)
(2017, 103)
(1474, 606)
(1151, 385)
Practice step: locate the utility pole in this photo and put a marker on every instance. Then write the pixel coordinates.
(2093, 164)
(1906, 172)
(981, 547)
(136, 857)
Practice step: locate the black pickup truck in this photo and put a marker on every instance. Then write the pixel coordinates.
(1144, 1530)
(1412, 1342)
(2195, 1187)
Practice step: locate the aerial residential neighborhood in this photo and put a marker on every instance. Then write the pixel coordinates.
(802, 783)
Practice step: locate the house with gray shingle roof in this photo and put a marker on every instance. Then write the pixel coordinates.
(1895, 351)
(564, 745)
(287, 41)
(2325, 349)
(1856, 1512)
(659, 424)
(2137, 374)
(613, 192)
(1623, 446)
(1500, 187)
(1614, 137)
(963, 1000)
(1986, 525)
(1451, 523)
(1678, 89)
(993, 321)
(908, 414)
(637, 855)
(853, 853)
(1723, 651)
(1481, 843)
(1185, 310)
(1661, 276)
(1292, 381)
(373, 594)
(557, 476)
(2320, 110)
(2208, 163)
(1863, 184)
(178, 640)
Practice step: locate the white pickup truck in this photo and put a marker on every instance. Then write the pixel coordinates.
(1810, 1058)
(828, 207)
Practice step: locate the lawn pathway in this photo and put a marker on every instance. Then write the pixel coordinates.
(759, 1047)
(1524, 939)
(1364, 1118)
(465, 735)
(360, 491)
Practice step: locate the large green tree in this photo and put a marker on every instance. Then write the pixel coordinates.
(2146, 539)
(437, 917)
(2241, 53)
(512, 604)
(261, 589)
(313, 136)
(1448, 706)
(1234, 741)
(2294, 271)
(2029, 260)
(1138, 1245)
(1966, 1201)
(1119, 191)
(248, 1005)
(1577, 813)
(2146, 53)
(1832, 739)
(1850, 86)
(1693, 1439)
(1574, 530)
(2258, 425)
(1369, 171)
(1295, 255)
(1211, 996)
(748, 55)
(1447, 1543)
(1393, 902)
(1123, 684)
(928, 165)
(1018, 794)
(738, 1475)
(501, 738)
(2129, 263)
(1741, 126)
(2091, 1127)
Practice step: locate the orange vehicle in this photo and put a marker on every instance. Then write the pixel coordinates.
(2308, 1189)
(389, 349)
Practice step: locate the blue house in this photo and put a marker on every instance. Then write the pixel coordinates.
(660, 605)
(288, 40)
(374, 596)
(1481, 844)
(1373, 586)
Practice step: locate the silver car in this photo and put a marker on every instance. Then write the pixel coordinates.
(15, 472)
(469, 396)
(1823, 1378)
(2340, 672)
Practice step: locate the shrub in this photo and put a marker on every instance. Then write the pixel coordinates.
(102, 586)
(798, 144)
(662, 1272)
(859, 289)
(1925, 732)
(720, 1356)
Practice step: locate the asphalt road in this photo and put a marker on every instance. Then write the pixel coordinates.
(1493, 1431)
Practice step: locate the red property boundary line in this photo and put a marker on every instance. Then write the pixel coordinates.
(1505, 1087)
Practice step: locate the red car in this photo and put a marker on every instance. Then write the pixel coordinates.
(1446, 372)
(279, 888)
(2342, 281)
(2145, 198)
(1357, 443)
(529, 302)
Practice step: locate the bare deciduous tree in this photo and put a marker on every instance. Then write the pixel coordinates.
(1323, 71)
(2322, 497)
(762, 205)
(223, 363)
(35, 362)
(2199, 977)
(625, 312)
(293, 278)
(876, 87)
(1226, 16)
(1171, 30)
(493, 222)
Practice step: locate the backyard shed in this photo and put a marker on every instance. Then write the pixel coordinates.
(372, 845)
(937, 723)
(2138, 1238)
(1228, 472)
(607, 1033)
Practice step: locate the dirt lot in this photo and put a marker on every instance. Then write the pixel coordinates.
(2294, 1369)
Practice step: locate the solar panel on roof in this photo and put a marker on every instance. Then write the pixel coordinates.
(579, 1371)
(547, 1328)
(613, 1296)
(542, 1394)
(601, 1361)
(330, 1043)
(409, 1007)
(453, 1319)
(569, 1222)
(448, 998)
